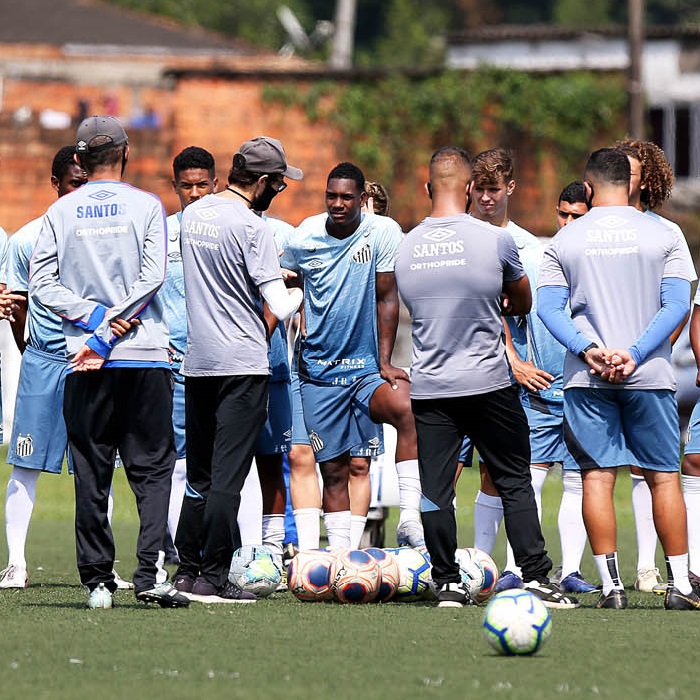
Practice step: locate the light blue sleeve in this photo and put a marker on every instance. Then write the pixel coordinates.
(551, 308)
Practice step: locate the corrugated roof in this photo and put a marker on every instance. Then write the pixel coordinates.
(543, 32)
(89, 22)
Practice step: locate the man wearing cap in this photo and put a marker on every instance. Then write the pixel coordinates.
(98, 263)
(231, 265)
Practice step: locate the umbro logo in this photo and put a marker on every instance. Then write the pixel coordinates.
(373, 442)
(101, 195)
(287, 433)
(363, 255)
(207, 214)
(611, 221)
(439, 235)
(314, 264)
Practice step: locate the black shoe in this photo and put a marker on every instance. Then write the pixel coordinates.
(615, 600)
(207, 592)
(675, 600)
(694, 579)
(183, 583)
(453, 595)
(166, 595)
(551, 595)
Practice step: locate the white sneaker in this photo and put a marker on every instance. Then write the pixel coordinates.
(649, 581)
(122, 585)
(100, 598)
(13, 577)
(410, 534)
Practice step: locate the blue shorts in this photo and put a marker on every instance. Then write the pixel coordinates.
(179, 416)
(337, 417)
(615, 428)
(299, 434)
(692, 446)
(39, 439)
(276, 435)
(546, 423)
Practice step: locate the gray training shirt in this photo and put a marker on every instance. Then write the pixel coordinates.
(613, 260)
(450, 272)
(227, 253)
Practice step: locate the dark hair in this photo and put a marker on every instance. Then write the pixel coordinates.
(105, 158)
(490, 165)
(348, 171)
(656, 172)
(609, 165)
(194, 157)
(380, 197)
(62, 161)
(446, 151)
(573, 193)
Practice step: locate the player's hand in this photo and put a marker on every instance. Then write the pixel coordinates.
(393, 375)
(121, 327)
(531, 377)
(288, 274)
(505, 305)
(86, 360)
(621, 363)
(597, 360)
(8, 303)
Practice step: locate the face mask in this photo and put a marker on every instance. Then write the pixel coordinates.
(263, 201)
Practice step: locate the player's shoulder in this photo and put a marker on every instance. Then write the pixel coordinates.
(383, 224)
(522, 237)
(28, 232)
(672, 225)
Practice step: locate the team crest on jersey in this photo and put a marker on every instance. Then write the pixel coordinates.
(611, 221)
(316, 442)
(24, 446)
(439, 235)
(207, 214)
(101, 195)
(363, 255)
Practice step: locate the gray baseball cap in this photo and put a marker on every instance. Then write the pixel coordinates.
(94, 127)
(266, 156)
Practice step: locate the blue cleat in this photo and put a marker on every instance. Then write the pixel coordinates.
(575, 583)
(507, 581)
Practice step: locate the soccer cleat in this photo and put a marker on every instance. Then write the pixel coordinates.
(183, 583)
(694, 579)
(575, 583)
(615, 600)
(165, 594)
(13, 577)
(453, 595)
(507, 581)
(551, 595)
(649, 581)
(205, 592)
(100, 597)
(122, 585)
(675, 600)
(410, 534)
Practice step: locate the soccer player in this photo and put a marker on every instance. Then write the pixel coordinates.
(347, 380)
(627, 280)
(536, 360)
(452, 271)
(194, 176)
(231, 265)
(98, 261)
(38, 442)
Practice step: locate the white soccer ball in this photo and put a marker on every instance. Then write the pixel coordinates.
(478, 572)
(253, 570)
(415, 574)
(517, 622)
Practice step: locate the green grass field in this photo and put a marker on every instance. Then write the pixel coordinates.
(52, 647)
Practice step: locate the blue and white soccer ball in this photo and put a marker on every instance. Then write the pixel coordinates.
(517, 622)
(415, 575)
(253, 570)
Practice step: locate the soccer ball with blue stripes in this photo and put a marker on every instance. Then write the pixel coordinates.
(415, 574)
(309, 575)
(254, 570)
(517, 622)
(356, 576)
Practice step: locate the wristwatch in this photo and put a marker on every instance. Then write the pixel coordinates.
(582, 354)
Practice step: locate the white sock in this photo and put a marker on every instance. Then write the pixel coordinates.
(510, 561)
(19, 504)
(572, 530)
(308, 522)
(177, 493)
(250, 510)
(357, 529)
(538, 475)
(409, 490)
(338, 528)
(609, 572)
(644, 523)
(273, 533)
(677, 570)
(488, 514)
(691, 494)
